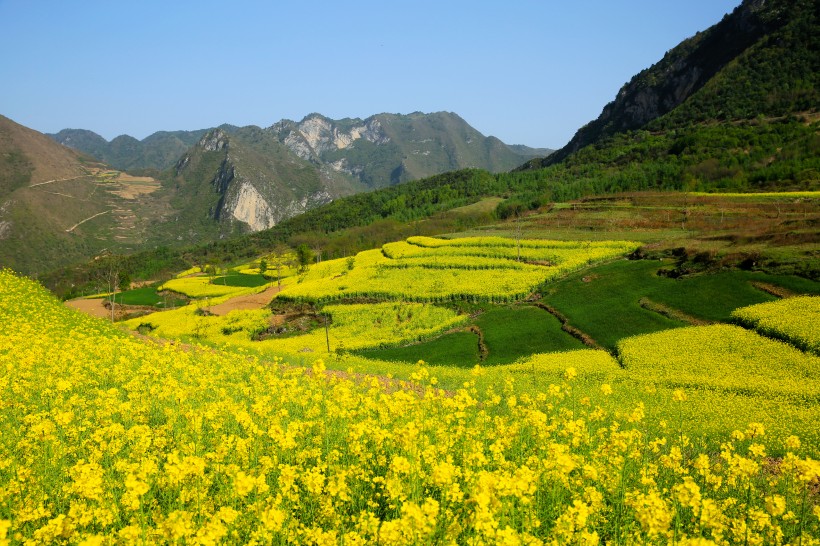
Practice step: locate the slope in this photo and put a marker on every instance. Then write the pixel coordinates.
(753, 125)
(57, 207)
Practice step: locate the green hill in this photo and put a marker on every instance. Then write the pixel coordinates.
(733, 108)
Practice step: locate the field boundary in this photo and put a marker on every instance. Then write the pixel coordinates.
(773, 289)
(581, 336)
(671, 312)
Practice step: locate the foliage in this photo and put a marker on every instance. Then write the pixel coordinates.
(304, 256)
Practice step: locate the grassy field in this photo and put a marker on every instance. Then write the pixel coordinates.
(147, 296)
(458, 349)
(604, 301)
(508, 333)
(514, 332)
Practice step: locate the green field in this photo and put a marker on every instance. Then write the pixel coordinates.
(603, 301)
(458, 349)
(513, 332)
(509, 333)
(147, 296)
(240, 279)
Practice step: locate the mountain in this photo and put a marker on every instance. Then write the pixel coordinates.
(388, 149)
(380, 150)
(247, 181)
(734, 108)
(157, 151)
(58, 206)
(759, 61)
(231, 179)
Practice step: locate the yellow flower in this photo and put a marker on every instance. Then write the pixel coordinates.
(792, 442)
(5, 525)
(651, 511)
(400, 465)
(775, 505)
(688, 493)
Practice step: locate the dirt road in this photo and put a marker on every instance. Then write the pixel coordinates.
(251, 301)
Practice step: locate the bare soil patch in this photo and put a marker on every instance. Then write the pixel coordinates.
(251, 301)
(94, 307)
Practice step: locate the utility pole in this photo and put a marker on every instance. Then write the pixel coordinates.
(518, 234)
(327, 335)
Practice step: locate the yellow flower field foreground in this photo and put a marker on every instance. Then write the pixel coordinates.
(796, 320)
(107, 439)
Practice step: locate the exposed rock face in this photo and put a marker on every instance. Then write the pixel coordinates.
(214, 141)
(248, 206)
(316, 134)
(247, 189)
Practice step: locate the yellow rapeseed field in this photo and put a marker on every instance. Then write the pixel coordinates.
(796, 320)
(109, 439)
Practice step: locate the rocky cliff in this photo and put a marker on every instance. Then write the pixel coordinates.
(248, 181)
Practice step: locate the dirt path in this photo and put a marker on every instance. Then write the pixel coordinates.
(251, 301)
(69, 230)
(94, 307)
(57, 180)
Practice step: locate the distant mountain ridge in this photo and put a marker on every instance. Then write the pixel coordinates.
(401, 145)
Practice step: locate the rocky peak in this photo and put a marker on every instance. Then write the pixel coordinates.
(316, 134)
(213, 141)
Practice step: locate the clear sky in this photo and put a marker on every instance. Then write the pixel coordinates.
(528, 72)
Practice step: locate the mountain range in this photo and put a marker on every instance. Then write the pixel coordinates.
(732, 108)
(380, 150)
(60, 202)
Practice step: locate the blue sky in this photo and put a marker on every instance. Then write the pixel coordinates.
(528, 72)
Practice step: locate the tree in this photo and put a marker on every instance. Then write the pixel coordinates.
(108, 271)
(124, 280)
(281, 258)
(304, 255)
(263, 266)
